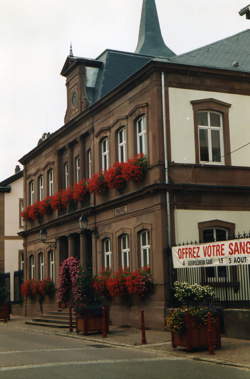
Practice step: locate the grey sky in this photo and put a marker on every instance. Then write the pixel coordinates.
(34, 42)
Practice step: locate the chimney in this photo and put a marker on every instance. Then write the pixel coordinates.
(17, 169)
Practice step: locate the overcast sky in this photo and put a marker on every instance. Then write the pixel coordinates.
(35, 36)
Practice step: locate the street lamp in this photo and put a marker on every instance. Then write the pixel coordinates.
(84, 227)
(43, 238)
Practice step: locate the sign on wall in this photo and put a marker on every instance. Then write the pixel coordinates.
(224, 253)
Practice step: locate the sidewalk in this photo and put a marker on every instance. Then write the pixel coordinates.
(234, 351)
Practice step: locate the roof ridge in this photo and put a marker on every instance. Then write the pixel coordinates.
(209, 45)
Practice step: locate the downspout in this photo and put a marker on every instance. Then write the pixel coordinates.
(164, 124)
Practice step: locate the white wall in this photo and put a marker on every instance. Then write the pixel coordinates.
(186, 222)
(12, 242)
(182, 124)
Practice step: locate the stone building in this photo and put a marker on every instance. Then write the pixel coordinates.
(188, 115)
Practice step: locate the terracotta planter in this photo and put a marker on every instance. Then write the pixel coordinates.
(96, 321)
(5, 312)
(197, 336)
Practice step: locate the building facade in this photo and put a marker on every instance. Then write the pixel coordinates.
(12, 251)
(188, 115)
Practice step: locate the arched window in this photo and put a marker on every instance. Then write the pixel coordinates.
(124, 251)
(40, 188)
(77, 169)
(89, 164)
(50, 182)
(107, 253)
(141, 136)
(40, 266)
(31, 192)
(51, 265)
(104, 154)
(144, 244)
(122, 144)
(31, 267)
(66, 175)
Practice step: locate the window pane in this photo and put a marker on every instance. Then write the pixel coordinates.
(215, 119)
(202, 118)
(144, 238)
(204, 145)
(221, 235)
(216, 150)
(208, 235)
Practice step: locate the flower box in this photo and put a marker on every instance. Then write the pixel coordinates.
(197, 336)
(5, 312)
(92, 320)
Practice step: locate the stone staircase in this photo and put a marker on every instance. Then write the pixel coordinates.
(56, 319)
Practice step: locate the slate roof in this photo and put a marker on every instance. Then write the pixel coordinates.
(117, 67)
(232, 53)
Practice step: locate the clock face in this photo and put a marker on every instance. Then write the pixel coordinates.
(74, 98)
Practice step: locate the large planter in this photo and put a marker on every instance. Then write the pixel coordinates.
(92, 320)
(198, 336)
(5, 312)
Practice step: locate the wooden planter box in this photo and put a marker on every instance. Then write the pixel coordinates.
(5, 312)
(90, 322)
(196, 336)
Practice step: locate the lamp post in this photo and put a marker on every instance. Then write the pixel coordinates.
(43, 238)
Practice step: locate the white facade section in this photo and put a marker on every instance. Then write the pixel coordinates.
(12, 242)
(182, 124)
(186, 222)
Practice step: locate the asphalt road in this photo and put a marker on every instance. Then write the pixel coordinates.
(26, 354)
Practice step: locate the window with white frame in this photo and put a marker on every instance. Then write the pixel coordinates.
(40, 266)
(107, 253)
(50, 182)
(51, 265)
(89, 164)
(104, 154)
(40, 188)
(32, 267)
(122, 144)
(77, 169)
(31, 192)
(66, 175)
(144, 240)
(141, 135)
(210, 131)
(124, 249)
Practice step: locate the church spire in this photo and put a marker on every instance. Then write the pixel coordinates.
(150, 41)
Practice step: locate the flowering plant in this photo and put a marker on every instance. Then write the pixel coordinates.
(191, 297)
(68, 291)
(29, 289)
(192, 294)
(115, 176)
(80, 191)
(44, 206)
(135, 168)
(66, 197)
(56, 201)
(140, 282)
(98, 183)
(100, 283)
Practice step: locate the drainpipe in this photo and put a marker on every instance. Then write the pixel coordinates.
(166, 156)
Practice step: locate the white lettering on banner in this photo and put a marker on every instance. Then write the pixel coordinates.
(224, 253)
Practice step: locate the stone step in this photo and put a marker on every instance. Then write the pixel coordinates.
(47, 324)
(51, 320)
(56, 317)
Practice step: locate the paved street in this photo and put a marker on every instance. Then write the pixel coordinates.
(29, 354)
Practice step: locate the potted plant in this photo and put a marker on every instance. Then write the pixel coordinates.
(195, 323)
(4, 305)
(91, 316)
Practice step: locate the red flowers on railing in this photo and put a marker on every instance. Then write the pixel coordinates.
(115, 177)
(41, 288)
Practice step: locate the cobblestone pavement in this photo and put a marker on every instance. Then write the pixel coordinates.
(235, 352)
